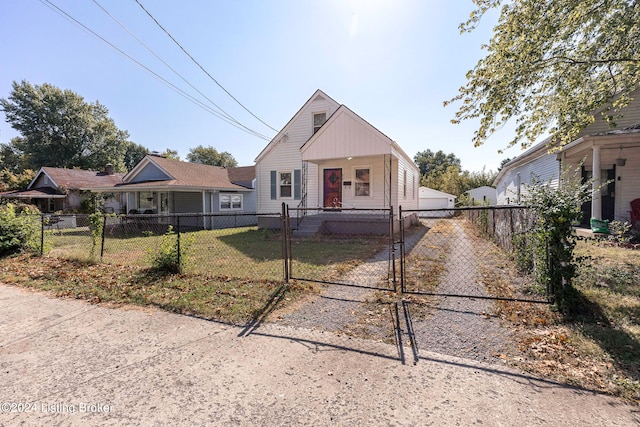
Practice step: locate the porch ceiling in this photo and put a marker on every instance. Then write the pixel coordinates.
(583, 148)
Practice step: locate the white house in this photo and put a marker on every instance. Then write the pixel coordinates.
(614, 151)
(484, 195)
(327, 156)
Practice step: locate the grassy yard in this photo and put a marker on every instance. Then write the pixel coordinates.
(246, 253)
(233, 275)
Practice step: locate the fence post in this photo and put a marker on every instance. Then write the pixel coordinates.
(104, 226)
(283, 234)
(41, 234)
(401, 222)
(392, 240)
(178, 243)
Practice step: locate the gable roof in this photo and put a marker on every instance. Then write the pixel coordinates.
(376, 142)
(283, 133)
(242, 175)
(182, 175)
(76, 178)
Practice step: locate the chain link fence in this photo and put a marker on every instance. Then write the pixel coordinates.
(227, 245)
(352, 247)
(448, 254)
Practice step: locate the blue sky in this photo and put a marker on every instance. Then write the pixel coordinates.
(392, 62)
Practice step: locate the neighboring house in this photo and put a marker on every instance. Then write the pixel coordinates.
(484, 195)
(614, 152)
(60, 190)
(157, 185)
(327, 156)
(434, 199)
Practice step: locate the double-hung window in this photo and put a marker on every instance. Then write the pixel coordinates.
(318, 121)
(286, 184)
(363, 182)
(230, 202)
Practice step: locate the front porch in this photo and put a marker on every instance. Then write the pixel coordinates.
(347, 222)
(612, 161)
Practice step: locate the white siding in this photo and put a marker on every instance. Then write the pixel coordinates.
(410, 201)
(483, 195)
(346, 136)
(285, 156)
(544, 169)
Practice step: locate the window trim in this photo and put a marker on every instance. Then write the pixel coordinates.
(279, 184)
(404, 184)
(231, 195)
(355, 182)
(313, 121)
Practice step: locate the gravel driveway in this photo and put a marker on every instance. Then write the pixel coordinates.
(66, 362)
(461, 327)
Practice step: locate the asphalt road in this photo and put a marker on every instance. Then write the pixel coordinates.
(67, 362)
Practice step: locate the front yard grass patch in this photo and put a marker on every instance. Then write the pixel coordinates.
(222, 298)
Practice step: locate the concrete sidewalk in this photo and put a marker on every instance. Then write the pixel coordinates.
(66, 362)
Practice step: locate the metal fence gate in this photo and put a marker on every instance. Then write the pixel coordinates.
(357, 246)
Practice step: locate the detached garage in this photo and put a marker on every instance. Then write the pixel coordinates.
(434, 199)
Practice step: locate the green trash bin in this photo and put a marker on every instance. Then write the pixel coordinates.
(600, 225)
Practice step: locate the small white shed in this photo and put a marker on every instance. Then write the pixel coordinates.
(434, 199)
(484, 195)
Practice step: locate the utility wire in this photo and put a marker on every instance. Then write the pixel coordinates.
(201, 67)
(162, 79)
(220, 109)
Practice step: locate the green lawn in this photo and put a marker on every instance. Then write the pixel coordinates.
(246, 253)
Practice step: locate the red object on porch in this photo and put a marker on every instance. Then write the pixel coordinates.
(635, 212)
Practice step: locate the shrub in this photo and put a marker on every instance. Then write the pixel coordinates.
(553, 240)
(171, 255)
(19, 229)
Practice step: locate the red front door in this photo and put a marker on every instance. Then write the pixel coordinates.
(332, 188)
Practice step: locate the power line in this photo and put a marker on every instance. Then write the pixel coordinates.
(220, 109)
(201, 67)
(186, 95)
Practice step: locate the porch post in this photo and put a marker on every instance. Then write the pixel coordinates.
(204, 209)
(596, 202)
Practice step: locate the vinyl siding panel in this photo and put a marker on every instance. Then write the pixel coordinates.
(346, 137)
(285, 156)
(410, 201)
(544, 168)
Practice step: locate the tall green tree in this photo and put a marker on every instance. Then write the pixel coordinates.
(211, 156)
(59, 128)
(435, 163)
(133, 154)
(549, 65)
(12, 158)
